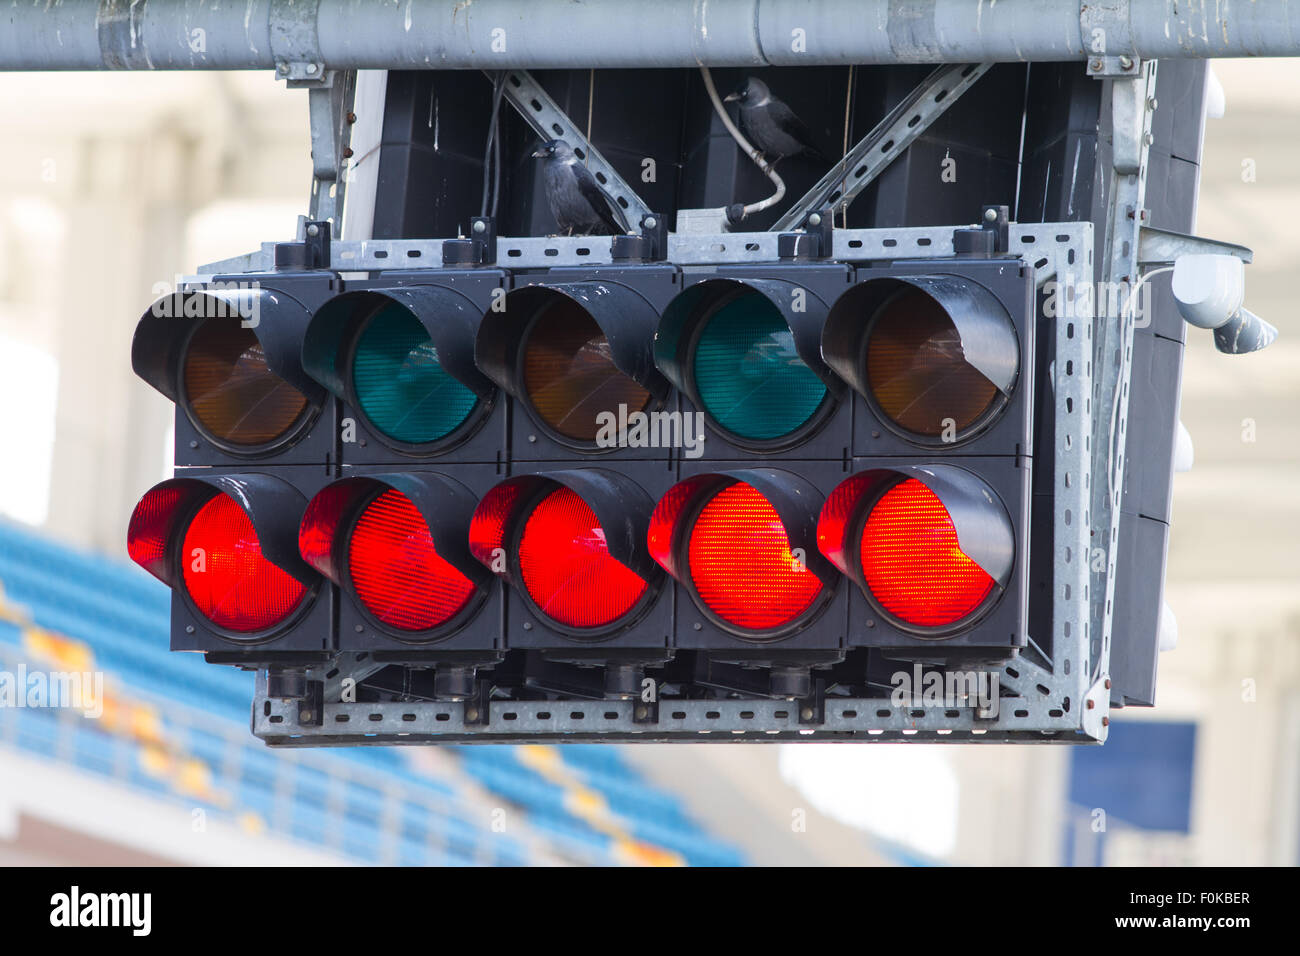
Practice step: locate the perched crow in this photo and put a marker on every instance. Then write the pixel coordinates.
(578, 203)
(771, 125)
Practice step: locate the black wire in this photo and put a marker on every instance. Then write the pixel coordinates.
(493, 145)
(496, 153)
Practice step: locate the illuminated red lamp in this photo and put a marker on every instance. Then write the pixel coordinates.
(546, 535)
(216, 541)
(396, 570)
(739, 552)
(409, 571)
(913, 562)
(566, 566)
(930, 547)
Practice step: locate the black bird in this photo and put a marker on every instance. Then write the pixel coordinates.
(577, 201)
(771, 125)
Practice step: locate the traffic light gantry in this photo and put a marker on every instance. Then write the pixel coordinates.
(640, 494)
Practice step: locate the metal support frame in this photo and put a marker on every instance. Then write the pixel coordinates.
(330, 106)
(1058, 702)
(890, 138)
(550, 122)
(1132, 110)
(1161, 247)
(294, 41)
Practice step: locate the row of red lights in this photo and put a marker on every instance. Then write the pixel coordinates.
(733, 552)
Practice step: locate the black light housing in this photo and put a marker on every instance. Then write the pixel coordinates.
(226, 545)
(398, 351)
(396, 545)
(228, 355)
(743, 346)
(575, 351)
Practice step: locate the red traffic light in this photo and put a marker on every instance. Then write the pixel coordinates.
(572, 542)
(396, 570)
(219, 543)
(227, 576)
(931, 547)
(396, 544)
(741, 542)
(566, 566)
(913, 562)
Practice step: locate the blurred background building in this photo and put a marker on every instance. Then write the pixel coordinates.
(115, 184)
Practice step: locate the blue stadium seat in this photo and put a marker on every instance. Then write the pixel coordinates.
(370, 803)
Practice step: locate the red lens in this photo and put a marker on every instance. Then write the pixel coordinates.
(912, 562)
(567, 568)
(146, 537)
(228, 578)
(396, 572)
(487, 530)
(741, 563)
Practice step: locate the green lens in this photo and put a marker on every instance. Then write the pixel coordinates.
(748, 374)
(399, 384)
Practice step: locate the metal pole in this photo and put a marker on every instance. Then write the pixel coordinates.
(301, 37)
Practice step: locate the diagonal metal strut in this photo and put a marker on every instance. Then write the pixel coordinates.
(550, 122)
(886, 142)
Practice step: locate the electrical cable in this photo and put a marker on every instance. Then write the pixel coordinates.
(591, 102)
(498, 90)
(1130, 309)
(848, 102)
(745, 147)
(496, 153)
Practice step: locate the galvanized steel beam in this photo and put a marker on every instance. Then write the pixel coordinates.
(540, 34)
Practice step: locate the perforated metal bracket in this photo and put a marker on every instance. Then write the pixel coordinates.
(330, 107)
(1096, 710)
(695, 721)
(1132, 110)
(295, 46)
(1160, 247)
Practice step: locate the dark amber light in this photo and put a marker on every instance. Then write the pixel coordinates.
(917, 371)
(230, 390)
(569, 373)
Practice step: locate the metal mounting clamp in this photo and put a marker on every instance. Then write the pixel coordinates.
(295, 44)
(1109, 67)
(1160, 247)
(1105, 27)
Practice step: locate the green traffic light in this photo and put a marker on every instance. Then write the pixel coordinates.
(748, 374)
(399, 383)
